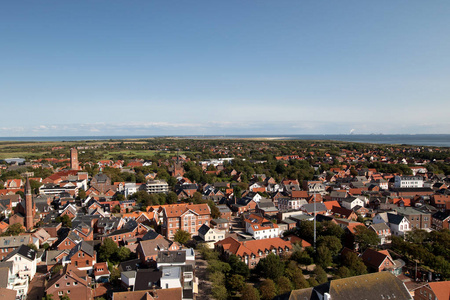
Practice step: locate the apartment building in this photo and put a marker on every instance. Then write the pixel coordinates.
(187, 217)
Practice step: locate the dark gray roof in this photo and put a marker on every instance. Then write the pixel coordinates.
(150, 235)
(84, 246)
(441, 215)
(223, 208)
(101, 178)
(146, 279)
(203, 229)
(394, 219)
(24, 251)
(170, 257)
(130, 265)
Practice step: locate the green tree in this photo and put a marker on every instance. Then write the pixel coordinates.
(219, 292)
(197, 197)
(236, 282)
(284, 285)
(107, 249)
(81, 194)
(365, 237)
(238, 266)
(354, 263)
(48, 297)
(172, 197)
(215, 212)
(32, 246)
(219, 266)
(65, 220)
(216, 277)
(331, 242)
(268, 289)
(271, 267)
(182, 236)
(320, 275)
(343, 272)
(14, 229)
(116, 209)
(64, 297)
(249, 293)
(323, 257)
(295, 275)
(416, 236)
(312, 282)
(123, 254)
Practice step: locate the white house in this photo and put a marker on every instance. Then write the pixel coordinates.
(408, 182)
(13, 281)
(210, 235)
(398, 224)
(171, 277)
(351, 202)
(288, 203)
(24, 261)
(255, 185)
(261, 228)
(131, 188)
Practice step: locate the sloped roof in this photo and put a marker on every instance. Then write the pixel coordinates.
(24, 251)
(375, 258)
(441, 289)
(176, 210)
(233, 246)
(370, 286)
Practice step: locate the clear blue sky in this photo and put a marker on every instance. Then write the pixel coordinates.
(107, 67)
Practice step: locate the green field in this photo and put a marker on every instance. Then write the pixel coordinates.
(21, 154)
(140, 153)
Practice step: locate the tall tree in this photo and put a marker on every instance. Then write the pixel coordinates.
(268, 289)
(182, 236)
(249, 293)
(365, 237)
(271, 266)
(107, 249)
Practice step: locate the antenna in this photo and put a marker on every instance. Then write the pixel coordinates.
(315, 216)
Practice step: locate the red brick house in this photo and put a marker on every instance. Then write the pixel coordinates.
(70, 282)
(82, 256)
(187, 217)
(378, 261)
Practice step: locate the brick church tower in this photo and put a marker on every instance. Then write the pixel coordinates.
(29, 207)
(74, 159)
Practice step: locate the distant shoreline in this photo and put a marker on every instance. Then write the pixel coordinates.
(438, 140)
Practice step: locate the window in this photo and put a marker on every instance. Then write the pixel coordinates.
(57, 285)
(68, 283)
(87, 262)
(68, 291)
(60, 293)
(75, 283)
